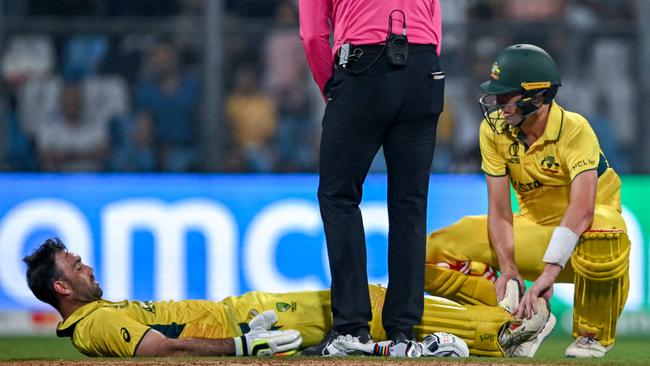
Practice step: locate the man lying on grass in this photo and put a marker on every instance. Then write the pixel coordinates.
(244, 326)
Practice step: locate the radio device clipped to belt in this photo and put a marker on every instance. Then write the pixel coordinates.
(396, 47)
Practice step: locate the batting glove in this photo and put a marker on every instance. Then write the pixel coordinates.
(347, 345)
(441, 344)
(261, 341)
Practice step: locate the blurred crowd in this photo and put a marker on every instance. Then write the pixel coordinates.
(132, 101)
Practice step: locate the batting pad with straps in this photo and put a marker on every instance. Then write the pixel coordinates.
(459, 287)
(600, 263)
(477, 325)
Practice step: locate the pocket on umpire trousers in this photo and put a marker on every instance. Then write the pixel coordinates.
(332, 85)
(331, 90)
(437, 79)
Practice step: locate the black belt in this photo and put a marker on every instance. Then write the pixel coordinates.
(358, 51)
(377, 48)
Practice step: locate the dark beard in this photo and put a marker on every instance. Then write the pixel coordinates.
(98, 293)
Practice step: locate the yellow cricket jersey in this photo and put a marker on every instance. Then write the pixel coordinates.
(105, 328)
(541, 174)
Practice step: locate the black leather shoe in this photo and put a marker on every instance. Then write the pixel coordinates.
(404, 344)
(399, 336)
(317, 350)
(363, 335)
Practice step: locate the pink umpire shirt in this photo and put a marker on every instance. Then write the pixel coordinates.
(362, 22)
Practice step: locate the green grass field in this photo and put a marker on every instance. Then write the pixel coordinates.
(626, 352)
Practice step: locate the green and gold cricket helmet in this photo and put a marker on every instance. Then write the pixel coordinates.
(521, 67)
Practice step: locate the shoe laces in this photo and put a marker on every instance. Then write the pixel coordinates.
(587, 340)
(348, 338)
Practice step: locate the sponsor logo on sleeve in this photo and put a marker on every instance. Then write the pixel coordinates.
(583, 163)
(125, 335)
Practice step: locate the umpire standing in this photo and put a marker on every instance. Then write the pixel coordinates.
(384, 87)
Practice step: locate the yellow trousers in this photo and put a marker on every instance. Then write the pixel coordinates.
(467, 240)
(309, 312)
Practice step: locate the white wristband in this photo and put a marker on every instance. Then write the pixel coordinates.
(561, 246)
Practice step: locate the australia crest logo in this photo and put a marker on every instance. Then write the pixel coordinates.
(550, 165)
(495, 72)
(283, 306)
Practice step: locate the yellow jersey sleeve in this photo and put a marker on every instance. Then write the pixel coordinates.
(492, 163)
(108, 333)
(581, 151)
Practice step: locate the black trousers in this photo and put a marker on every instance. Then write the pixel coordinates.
(396, 108)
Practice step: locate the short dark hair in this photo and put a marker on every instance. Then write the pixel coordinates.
(42, 271)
